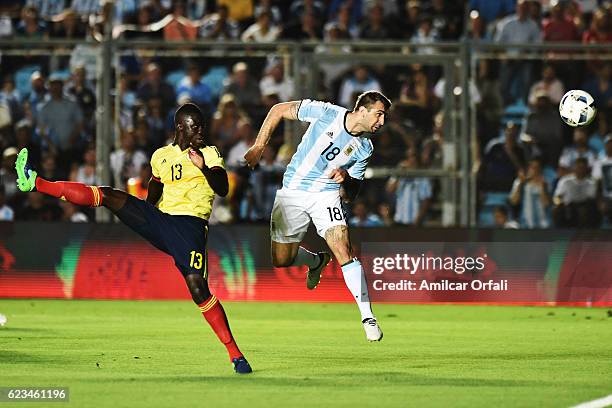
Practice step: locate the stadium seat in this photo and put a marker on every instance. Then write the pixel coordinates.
(173, 78)
(215, 78)
(22, 78)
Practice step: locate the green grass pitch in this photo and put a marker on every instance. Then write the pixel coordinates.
(154, 354)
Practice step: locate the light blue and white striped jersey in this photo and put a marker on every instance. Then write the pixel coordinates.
(533, 213)
(325, 146)
(410, 193)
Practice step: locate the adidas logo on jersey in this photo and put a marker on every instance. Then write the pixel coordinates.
(330, 134)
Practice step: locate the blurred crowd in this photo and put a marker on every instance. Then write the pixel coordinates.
(531, 170)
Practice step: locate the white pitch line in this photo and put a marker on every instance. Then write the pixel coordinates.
(598, 403)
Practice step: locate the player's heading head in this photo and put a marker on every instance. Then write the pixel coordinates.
(189, 125)
(371, 107)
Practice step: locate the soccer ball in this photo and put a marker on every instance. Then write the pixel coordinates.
(577, 108)
(2, 319)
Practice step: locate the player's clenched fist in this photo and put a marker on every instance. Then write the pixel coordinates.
(338, 175)
(253, 155)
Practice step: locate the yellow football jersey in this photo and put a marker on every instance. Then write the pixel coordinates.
(186, 190)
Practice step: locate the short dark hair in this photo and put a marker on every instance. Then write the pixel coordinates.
(369, 98)
(188, 109)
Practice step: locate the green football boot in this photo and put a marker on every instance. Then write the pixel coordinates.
(26, 177)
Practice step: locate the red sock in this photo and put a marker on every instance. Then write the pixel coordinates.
(76, 193)
(215, 316)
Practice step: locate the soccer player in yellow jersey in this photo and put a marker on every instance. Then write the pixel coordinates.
(174, 218)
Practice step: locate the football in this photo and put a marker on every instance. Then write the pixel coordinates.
(577, 108)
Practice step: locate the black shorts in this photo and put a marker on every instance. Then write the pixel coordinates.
(183, 237)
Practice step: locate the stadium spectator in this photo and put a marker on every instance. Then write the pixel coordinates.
(516, 74)
(410, 19)
(530, 192)
(299, 8)
(244, 88)
(72, 213)
(447, 18)
(425, 34)
(558, 27)
(86, 171)
(416, 99)
(385, 153)
(359, 82)
(23, 138)
(225, 129)
(477, 30)
(575, 199)
(544, 126)
(198, 92)
(8, 176)
(68, 25)
(154, 86)
(10, 96)
(264, 182)
(235, 157)
(219, 26)
(600, 88)
(86, 8)
(83, 93)
(502, 161)
(431, 147)
(385, 214)
(126, 161)
(491, 10)
(602, 173)
(176, 25)
(375, 28)
(501, 217)
(46, 9)
(412, 194)
(549, 84)
(138, 186)
(38, 208)
(268, 6)
(6, 212)
(600, 30)
(60, 120)
(156, 120)
(363, 217)
(580, 148)
(304, 29)
(49, 168)
(263, 30)
(38, 92)
(30, 25)
(347, 26)
(276, 82)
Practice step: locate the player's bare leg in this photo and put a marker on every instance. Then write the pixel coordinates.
(337, 238)
(292, 254)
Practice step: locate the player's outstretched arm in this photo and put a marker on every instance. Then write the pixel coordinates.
(155, 190)
(284, 110)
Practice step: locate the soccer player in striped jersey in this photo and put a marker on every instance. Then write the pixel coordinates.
(174, 218)
(333, 153)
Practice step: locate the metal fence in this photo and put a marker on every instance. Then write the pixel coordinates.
(457, 62)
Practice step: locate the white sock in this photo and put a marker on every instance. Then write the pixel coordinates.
(354, 277)
(305, 257)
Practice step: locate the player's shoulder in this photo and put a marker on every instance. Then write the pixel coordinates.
(367, 147)
(211, 150)
(161, 152)
(322, 108)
